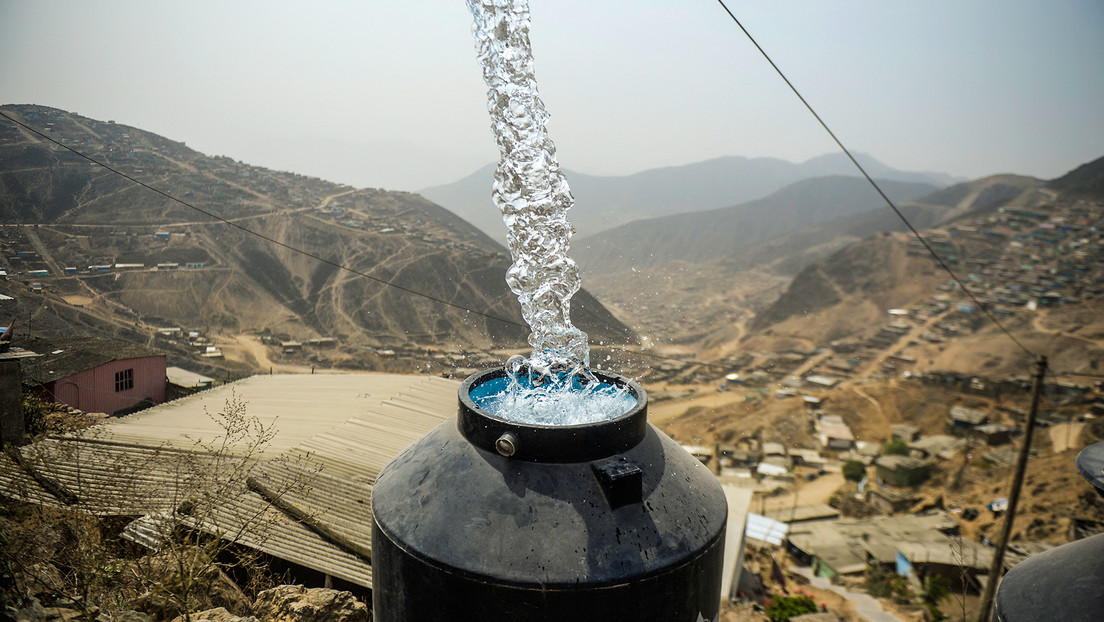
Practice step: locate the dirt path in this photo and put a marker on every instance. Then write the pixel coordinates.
(708, 397)
(866, 396)
(1037, 324)
(43, 252)
(249, 350)
(819, 490)
(865, 605)
(811, 362)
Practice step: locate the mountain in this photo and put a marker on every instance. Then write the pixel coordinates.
(1010, 239)
(181, 267)
(1086, 180)
(702, 236)
(605, 202)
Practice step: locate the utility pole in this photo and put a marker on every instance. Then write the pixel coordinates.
(985, 610)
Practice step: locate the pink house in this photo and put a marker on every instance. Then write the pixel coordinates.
(95, 375)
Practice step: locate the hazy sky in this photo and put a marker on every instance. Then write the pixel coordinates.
(388, 94)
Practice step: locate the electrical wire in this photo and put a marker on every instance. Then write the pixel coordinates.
(877, 188)
(642, 353)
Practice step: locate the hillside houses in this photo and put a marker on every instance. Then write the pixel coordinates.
(903, 471)
(1039, 258)
(913, 545)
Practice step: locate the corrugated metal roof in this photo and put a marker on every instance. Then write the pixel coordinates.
(333, 432)
(105, 478)
(296, 407)
(879, 537)
(63, 357)
(342, 506)
(184, 378)
(816, 511)
(763, 529)
(339, 467)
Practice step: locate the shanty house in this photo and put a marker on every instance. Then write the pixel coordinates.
(902, 470)
(963, 418)
(905, 432)
(95, 375)
(833, 433)
(890, 501)
(939, 446)
(959, 561)
(849, 546)
(182, 382)
(992, 434)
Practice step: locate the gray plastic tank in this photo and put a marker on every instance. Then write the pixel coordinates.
(487, 519)
(1065, 583)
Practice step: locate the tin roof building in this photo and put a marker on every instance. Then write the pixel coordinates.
(331, 432)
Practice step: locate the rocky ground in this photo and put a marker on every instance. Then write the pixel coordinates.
(284, 603)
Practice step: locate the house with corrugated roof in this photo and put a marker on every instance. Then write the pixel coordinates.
(95, 375)
(902, 470)
(130, 467)
(940, 446)
(849, 546)
(833, 433)
(963, 419)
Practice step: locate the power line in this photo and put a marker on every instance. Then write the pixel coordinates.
(877, 188)
(642, 353)
(258, 234)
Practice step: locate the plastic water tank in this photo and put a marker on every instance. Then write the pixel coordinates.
(487, 519)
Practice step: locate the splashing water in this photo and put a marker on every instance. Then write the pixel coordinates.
(531, 192)
(525, 398)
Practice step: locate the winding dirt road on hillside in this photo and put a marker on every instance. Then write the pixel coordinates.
(1037, 324)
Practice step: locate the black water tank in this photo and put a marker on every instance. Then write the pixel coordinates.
(1065, 583)
(487, 519)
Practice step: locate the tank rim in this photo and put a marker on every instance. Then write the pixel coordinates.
(1090, 463)
(552, 443)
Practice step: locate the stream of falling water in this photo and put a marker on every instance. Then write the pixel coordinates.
(553, 385)
(530, 190)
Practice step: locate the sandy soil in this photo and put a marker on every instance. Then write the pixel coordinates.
(819, 490)
(78, 301)
(249, 350)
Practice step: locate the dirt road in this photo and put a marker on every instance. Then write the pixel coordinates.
(249, 350)
(808, 493)
(666, 411)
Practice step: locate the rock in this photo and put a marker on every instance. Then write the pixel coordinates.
(32, 612)
(129, 616)
(214, 588)
(218, 614)
(295, 603)
(42, 580)
(222, 592)
(158, 606)
(63, 614)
